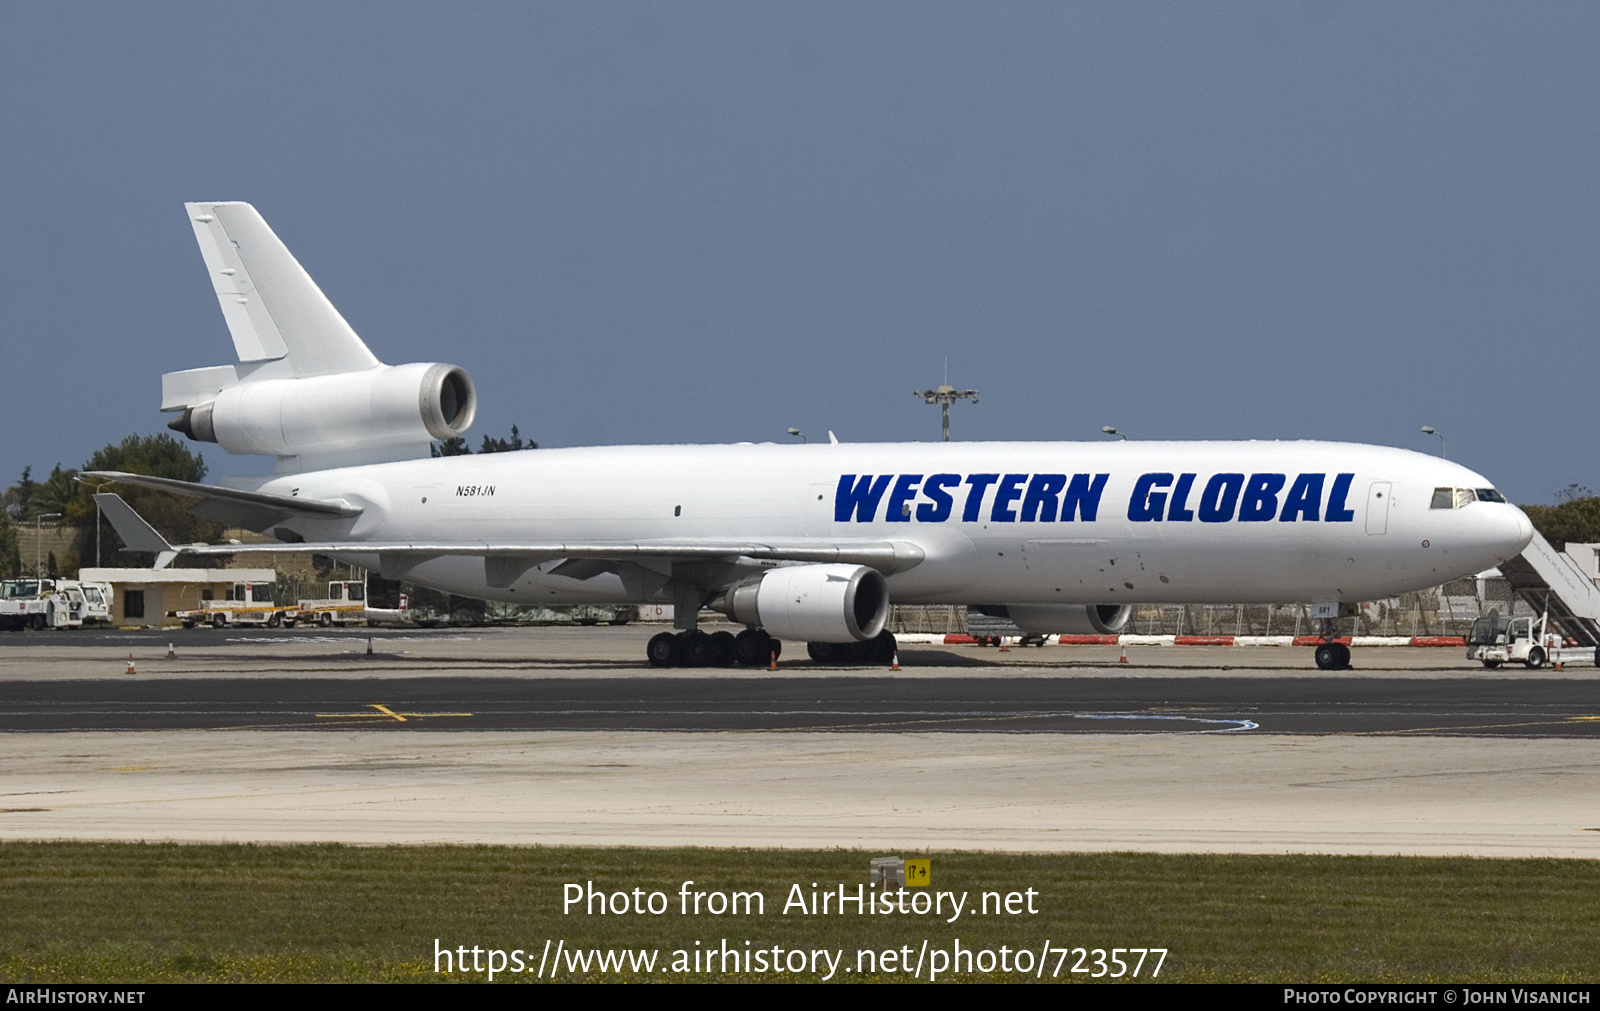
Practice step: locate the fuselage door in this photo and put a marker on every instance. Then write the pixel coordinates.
(1378, 508)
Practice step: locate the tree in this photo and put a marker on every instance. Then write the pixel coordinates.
(1576, 519)
(458, 445)
(510, 445)
(19, 497)
(157, 455)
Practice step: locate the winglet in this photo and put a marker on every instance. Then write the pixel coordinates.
(136, 534)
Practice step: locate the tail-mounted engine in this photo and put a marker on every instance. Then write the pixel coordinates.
(385, 407)
(812, 603)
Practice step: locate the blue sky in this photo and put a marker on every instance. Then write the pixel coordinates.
(710, 222)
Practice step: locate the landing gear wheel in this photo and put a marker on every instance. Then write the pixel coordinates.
(696, 649)
(219, 621)
(1333, 656)
(752, 647)
(882, 648)
(723, 649)
(663, 650)
(829, 652)
(1494, 664)
(1535, 658)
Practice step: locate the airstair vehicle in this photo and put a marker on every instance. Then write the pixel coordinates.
(1568, 603)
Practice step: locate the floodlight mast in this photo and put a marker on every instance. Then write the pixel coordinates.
(944, 396)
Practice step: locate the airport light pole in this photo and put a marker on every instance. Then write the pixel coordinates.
(1429, 429)
(38, 542)
(1112, 431)
(802, 435)
(945, 395)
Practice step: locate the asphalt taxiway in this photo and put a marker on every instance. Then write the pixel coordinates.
(562, 736)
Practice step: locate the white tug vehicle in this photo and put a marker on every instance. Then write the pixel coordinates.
(1497, 638)
(53, 603)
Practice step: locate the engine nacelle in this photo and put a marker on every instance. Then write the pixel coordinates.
(380, 408)
(1065, 619)
(812, 603)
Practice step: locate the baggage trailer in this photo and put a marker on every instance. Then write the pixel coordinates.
(245, 604)
(345, 604)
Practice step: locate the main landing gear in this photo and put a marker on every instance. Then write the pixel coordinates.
(873, 651)
(750, 648)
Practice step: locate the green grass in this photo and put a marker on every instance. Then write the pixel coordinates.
(151, 913)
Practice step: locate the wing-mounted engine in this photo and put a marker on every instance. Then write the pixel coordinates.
(814, 603)
(383, 408)
(1064, 619)
(306, 387)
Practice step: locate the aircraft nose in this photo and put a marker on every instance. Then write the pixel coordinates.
(1513, 532)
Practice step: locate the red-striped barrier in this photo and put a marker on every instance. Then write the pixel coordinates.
(1089, 640)
(1202, 640)
(1438, 640)
(1317, 640)
(957, 639)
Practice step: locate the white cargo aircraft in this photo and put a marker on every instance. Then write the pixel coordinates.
(796, 542)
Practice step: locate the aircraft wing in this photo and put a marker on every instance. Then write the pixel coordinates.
(506, 562)
(252, 510)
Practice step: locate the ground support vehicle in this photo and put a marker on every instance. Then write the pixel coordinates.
(50, 603)
(245, 604)
(1496, 639)
(345, 604)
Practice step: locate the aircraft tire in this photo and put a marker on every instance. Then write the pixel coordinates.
(827, 652)
(696, 649)
(723, 649)
(663, 650)
(1535, 658)
(1327, 657)
(882, 648)
(752, 647)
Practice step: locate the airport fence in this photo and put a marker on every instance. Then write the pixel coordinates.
(1445, 610)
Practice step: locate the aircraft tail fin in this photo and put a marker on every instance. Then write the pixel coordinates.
(136, 534)
(273, 308)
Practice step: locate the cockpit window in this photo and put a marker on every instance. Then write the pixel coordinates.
(1455, 498)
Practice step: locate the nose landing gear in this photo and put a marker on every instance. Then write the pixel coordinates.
(1331, 655)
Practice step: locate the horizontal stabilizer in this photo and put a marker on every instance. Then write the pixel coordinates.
(252, 510)
(136, 534)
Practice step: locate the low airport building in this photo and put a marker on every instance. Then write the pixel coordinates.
(141, 598)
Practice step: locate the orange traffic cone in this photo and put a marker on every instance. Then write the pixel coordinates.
(1124, 657)
(772, 664)
(896, 664)
(130, 664)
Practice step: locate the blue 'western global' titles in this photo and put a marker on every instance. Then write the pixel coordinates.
(1053, 498)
